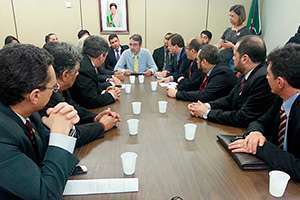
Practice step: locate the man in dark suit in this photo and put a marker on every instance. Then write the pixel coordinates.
(34, 163)
(218, 82)
(88, 90)
(66, 66)
(162, 57)
(295, 38)
(275, 137)
(194, 76)
(250, 97)
(182, 63)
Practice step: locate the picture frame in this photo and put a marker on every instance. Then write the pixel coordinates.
(113, 16)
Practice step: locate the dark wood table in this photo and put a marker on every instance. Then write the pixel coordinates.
(167, 164)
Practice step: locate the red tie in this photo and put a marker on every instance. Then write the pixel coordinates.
(203, 84)
(190, 70)
(30, 130)
(282, 127)
(242, 84)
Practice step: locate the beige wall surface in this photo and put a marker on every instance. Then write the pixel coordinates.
(150, 18)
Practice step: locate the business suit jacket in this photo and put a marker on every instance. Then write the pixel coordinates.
(111, 60)
(179, 68)
(193, 78)
(268, 124)
(86, 126)
(239, 109)
(87, 88)
(220, 82)
(24, 174)
(159, 58)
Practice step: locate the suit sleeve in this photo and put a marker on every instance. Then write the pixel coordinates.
(22, 177)
(89, 93)
(250, 109)
(279, 160)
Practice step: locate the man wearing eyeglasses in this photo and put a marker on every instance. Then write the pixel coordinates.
(34, 163)
(136, 59)
(66, 65)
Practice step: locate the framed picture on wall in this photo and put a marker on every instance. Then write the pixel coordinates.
(113, 16)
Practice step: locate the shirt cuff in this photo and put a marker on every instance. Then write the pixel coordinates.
(62, 141)
(205, 115)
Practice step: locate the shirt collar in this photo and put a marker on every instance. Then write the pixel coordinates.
(287, 104)
(248, 73)
(21, 117)
(209, 72)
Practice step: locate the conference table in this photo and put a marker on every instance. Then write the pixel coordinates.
(167, 164)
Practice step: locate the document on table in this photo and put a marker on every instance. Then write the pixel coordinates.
(101, 186)
(168, 85)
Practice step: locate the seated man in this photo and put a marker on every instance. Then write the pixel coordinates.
(250, 97)
(136, 59)
(193, 77)
(218, 82)
(66, 66)
(181, 64)
(35, 163)
(88, 90)
(162, 56)
(51, 37)
(274, 137)
(296, 38)
(204, 37)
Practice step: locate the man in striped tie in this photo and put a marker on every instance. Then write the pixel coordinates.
(275, 137)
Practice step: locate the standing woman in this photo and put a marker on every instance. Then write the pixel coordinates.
(237, 17)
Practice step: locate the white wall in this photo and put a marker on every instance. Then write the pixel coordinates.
(280, 21)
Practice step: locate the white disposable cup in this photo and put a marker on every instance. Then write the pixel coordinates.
(162, 106)
(136, 107)
(153, 85)
(132, 79)
(277, 182)
(127, 88)
(128, 162)
(133, 126)
(141, 79)
(190, 131)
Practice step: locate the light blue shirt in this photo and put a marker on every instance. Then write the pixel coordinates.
(287, 105)
(144, 57)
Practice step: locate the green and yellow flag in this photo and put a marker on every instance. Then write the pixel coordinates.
(254, 23)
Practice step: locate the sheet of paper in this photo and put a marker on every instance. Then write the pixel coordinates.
(100, 186)
(170, 84)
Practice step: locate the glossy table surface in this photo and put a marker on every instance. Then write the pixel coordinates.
(167, 164)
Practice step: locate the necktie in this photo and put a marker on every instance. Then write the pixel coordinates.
(29, 131)
(190, 70)
(135, 64)
(117, 54)
(282, 127)
(203, 84)
(242, 85)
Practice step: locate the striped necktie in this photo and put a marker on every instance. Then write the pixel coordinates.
(282, 127)
(136, 64)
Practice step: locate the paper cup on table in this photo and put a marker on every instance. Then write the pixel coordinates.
(133, 126)
(190, 131)
(277, 182)
(128, 162)
(136, 107)
(132, 79)
(141, 79)
(127, 88)
(153, 85)
(162, 106)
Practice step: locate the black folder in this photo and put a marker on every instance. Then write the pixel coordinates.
(245, 161)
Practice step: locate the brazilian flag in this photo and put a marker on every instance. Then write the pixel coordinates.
(254, 23)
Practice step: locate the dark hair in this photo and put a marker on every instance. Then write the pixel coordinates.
(65, 55)
(82, 33)
(23, 68)
(9, 39)
(285, 62)
(177, 39)
(210, 53)
(194, 44)
(137, 38)
(112, 36)
(298, 30)
(94, 46)
(168, 35)
(239, 10)
(254, 47)
(207, 33)
(113, 4)
(47, 37)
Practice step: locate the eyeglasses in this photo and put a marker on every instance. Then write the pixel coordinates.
(55, 88)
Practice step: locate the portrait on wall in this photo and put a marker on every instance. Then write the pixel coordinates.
(113, 16)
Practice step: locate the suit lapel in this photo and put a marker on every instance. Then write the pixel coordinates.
(293, 126)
